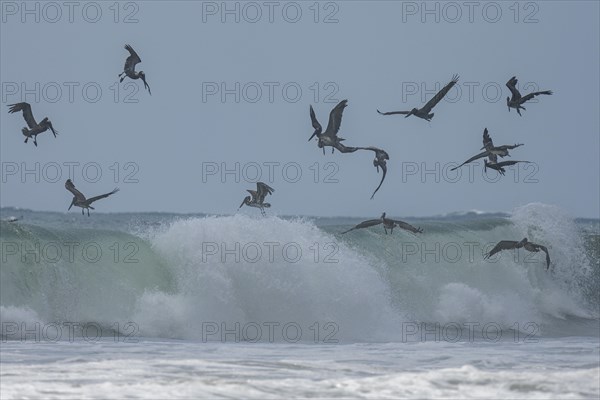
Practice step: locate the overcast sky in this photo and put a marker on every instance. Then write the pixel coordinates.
(234, 96)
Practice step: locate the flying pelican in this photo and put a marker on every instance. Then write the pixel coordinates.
(258, 197)
(424, 112)
(387, 224)
(499, 166)
(129, 69)
(516, 101)
(34, 128)
(490, 151)
(527, 245)
(79, 199)
(329, 137)
(381, 156)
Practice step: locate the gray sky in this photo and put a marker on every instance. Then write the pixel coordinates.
(374, 56)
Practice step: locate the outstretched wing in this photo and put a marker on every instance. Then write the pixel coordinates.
(315, 124)
(71, 188)
(476, 157)
(512, 86)
(345, 149)
(407, 226)
(502, 245)
(27, 114)
(365, 224)
(132, 60)
(512, 162)
(262, 190)
(335, 118)
(488, 143)
(93, 199)
(440, 95)
(545, 250)
(532, 95)
(394, 112)
(510, 147)
(253, 193)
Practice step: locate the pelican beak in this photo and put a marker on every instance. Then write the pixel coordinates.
(313, 135)
(242, 204)
(72, 202)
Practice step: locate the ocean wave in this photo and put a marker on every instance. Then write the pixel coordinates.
(272, 279)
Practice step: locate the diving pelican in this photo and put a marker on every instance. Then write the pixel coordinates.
(387, 224)
(258, 197)
(329, 137)
(129, 69)
(79, 199)
(491, 151)
(516, 101)
(527, 245)
(424, 112)
(499, 166)
(34, 128)
(381, 156)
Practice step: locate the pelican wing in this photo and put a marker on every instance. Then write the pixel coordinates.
(532, 95)
(93, 199)
(335, 118)
(253, 193)
(262, 191)
(380, 154)
(365, 224)
(545, 250)
(71, 188)
(475, 157)
(510, 147)
(27, 114)
(512, 86)
(345, 149)
(132, 60)
(407, 226)
(394, 112)
(315, 124)
(511, 162)
(502, 245)
(314, 121)
(488, 143)
(440, 95)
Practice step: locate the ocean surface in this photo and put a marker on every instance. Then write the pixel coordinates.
(156, 305)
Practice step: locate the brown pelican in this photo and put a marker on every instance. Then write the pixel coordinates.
(517, 100)
(387, 224)
(329, 137)
(34, 128)
(381, 156)
(79, 199)
(491, 151)
(258, 197)
(424, 112)
(499, 166)
(129, 69)
(527, 245)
